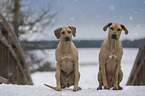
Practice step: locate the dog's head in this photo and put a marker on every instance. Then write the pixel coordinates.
(65, 33)
(115, 30)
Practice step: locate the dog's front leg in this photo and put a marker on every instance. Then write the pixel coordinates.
(115, 87)
(105, 84)
(77, 76)
(57, 76)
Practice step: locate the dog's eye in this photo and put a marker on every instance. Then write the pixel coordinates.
(69, 32)
(62, 32)
(112, 28)
(118, 29)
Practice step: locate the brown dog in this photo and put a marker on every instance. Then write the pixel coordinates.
(110, 73)
(66, 53)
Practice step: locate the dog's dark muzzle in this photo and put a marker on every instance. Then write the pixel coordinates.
(114, 36)
(67, 38)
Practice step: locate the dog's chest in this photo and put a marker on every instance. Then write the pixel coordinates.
(111, 62)
(67, 63)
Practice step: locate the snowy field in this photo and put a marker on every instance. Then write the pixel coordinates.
(88, 81)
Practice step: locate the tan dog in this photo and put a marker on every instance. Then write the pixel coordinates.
(66, 53)
(110, 73)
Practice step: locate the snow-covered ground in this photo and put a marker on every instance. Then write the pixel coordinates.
(15, 90)
(88, 80)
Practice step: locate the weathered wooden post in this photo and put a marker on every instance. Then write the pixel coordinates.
(137, 76)
(13, 67)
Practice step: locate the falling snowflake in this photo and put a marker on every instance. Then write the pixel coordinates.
(141, 10)
(131, 9)
(111, 7)
(138, 26)
(135, 12)
(136, 34)
(98, 16)
(58, 1)
(130, 18)
(72, 19)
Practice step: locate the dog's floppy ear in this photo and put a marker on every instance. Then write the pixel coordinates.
(106, 26)
(73, 30)
(57, 32)
(124, 28)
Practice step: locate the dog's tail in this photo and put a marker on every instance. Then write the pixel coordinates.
(50, 86)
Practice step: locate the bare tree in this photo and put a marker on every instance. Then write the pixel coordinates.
(21, 16)
(23, 20)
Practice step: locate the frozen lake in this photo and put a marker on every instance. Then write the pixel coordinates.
(88, 56)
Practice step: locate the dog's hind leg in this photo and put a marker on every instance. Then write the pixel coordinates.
(71, 78)
(63, 79)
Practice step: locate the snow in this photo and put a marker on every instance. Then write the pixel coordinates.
(25, 90)
(111, 7)
(88, 80)
(130, 18)
(72, 19)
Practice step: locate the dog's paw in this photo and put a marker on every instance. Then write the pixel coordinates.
(80, 88)
(77, 89)
(106, 87)
(115, 87)
(120, 88)
(99, 88)
(58, 89)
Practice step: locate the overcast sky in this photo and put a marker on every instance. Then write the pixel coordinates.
(90, 16)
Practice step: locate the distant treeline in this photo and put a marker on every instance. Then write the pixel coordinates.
(34, 45)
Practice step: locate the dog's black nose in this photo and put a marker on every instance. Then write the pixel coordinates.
(114, 36)
(67, 38)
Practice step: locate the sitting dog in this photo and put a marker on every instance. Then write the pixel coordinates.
(110, 73)
(66, 53)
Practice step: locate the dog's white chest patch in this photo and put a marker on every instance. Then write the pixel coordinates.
(112, 56)
(66, 57)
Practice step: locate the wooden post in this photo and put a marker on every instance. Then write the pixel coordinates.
(1, 59)
(12, 59)
(6, 55)
(137, 76)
